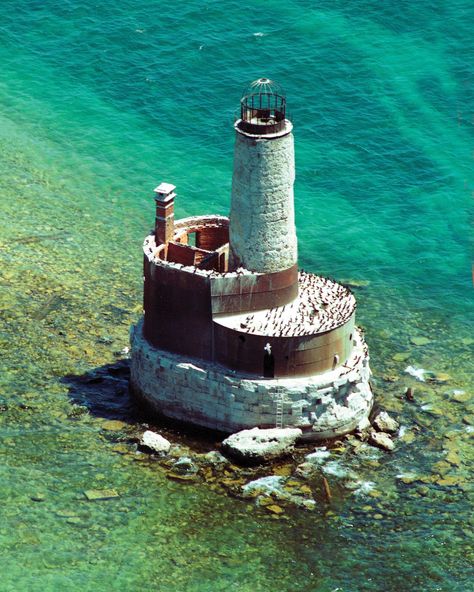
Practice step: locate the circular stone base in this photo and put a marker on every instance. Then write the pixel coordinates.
(208, 395)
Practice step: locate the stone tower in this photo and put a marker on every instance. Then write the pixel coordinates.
(262, 220)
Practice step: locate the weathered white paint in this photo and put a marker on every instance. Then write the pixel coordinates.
(262, 219)
(323, 405)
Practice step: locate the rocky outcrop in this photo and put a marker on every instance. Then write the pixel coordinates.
(155, 442)
(382, 422)
(185, 466)
(260, 445)
(214, 458)
(381, 440)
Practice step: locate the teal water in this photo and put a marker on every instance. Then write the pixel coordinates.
(98, 104)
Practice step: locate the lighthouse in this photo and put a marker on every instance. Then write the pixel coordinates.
(262, 218)
(233, 335)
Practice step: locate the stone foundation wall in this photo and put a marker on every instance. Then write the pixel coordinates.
(194, 391)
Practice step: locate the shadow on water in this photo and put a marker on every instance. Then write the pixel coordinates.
(104, 391)
(106, 394)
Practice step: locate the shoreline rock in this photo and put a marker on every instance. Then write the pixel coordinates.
(382, 440)
(185, 466)
(155, 442)
(261, 445)
(383, 422)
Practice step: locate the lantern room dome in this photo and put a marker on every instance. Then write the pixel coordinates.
(263, 86)
(262, 108)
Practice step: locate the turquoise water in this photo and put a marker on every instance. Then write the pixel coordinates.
(100, 103)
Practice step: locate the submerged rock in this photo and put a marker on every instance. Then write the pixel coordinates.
(382, 422)
(308, 504)
(335, 468)
(453, 458)
(306, 470)
(182, 478)
(401, 356)
(407, 436)
(275, 509)
(74, 520)
(461, 396)
(440, 377)
(382, 440)
(155, 442)
(100, 494)
(185, 466)
(214, 458)
(114, 425)
(420, 340)
(448, 481)
(408, 478)
(273, 487)
(427, 375)
(38, 497)
(319, 456)
(121, 449)
(258, 445)
(270, 485)
(361, 488)
(66, 513)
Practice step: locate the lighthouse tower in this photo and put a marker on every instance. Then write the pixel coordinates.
(262, 219)
(233, 336)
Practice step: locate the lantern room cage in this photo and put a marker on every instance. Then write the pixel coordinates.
(262, 108)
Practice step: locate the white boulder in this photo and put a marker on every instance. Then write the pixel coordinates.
(418, 373)
(319, 456)
(382, 422)
(382, 440)
(363, 424)
(155, 442)
(270, 485)
(258, 445)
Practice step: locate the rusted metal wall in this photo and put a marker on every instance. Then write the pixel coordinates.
(178, 311)
(179, 308)
(293, 356)
(241, 293)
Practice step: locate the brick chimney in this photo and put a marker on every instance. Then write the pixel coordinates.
(164, 219)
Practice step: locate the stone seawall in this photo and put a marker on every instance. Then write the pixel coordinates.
(209, 395)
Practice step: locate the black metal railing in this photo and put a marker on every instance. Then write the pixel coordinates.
(262, 113)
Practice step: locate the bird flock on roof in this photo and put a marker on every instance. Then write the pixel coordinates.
(322, 305)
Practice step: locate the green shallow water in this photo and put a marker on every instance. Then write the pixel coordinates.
(98, 105)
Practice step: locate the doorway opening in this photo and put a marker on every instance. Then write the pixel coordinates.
(268, 365)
